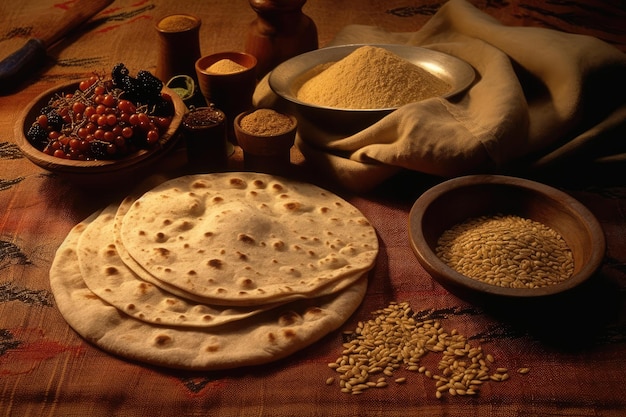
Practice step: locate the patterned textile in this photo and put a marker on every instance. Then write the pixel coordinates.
(574, 347)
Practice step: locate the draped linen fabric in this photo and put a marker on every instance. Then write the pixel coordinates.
(541, 98)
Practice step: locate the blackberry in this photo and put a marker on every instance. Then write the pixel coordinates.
(121, 79)
(150, 85)
(46, 109)
(55, 121)
(119, 71)
(37, 136)
(132, 89)
(98, 149)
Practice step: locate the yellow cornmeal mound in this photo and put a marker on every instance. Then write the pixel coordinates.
(225, 66)
(369, 78)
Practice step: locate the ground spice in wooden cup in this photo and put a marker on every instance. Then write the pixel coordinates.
(204, 130)
(228, 80)
(266, 137)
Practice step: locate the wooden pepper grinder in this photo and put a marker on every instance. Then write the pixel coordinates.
(279, 32)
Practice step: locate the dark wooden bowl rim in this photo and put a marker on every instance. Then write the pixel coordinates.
(452, 201)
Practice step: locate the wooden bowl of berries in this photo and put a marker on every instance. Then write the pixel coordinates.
(101, 129)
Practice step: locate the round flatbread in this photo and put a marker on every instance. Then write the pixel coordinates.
(126, 204)
(247, 238)
(107, 276)
(259, 339)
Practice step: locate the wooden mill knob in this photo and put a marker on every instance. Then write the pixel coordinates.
(280, 31)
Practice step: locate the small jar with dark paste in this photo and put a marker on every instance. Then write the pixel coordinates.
(266, 137)
(204, 130)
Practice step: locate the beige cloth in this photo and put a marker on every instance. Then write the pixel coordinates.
(541, 98)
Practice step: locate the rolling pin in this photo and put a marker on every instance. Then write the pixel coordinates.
(21, 64)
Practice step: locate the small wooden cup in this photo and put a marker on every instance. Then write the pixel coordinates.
(204, 129)
(230, 92)
(266, 153)
(178, 44)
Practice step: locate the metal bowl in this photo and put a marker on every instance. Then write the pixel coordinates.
(95, 172)
(287, 78)
(459, 199)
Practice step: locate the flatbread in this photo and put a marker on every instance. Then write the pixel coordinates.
(330, 288)
(262, 338)
(247, 238)
(107, 276)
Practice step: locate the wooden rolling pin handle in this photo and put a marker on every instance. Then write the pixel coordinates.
(18, 66)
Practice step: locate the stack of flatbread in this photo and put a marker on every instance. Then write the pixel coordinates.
(215, 271)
